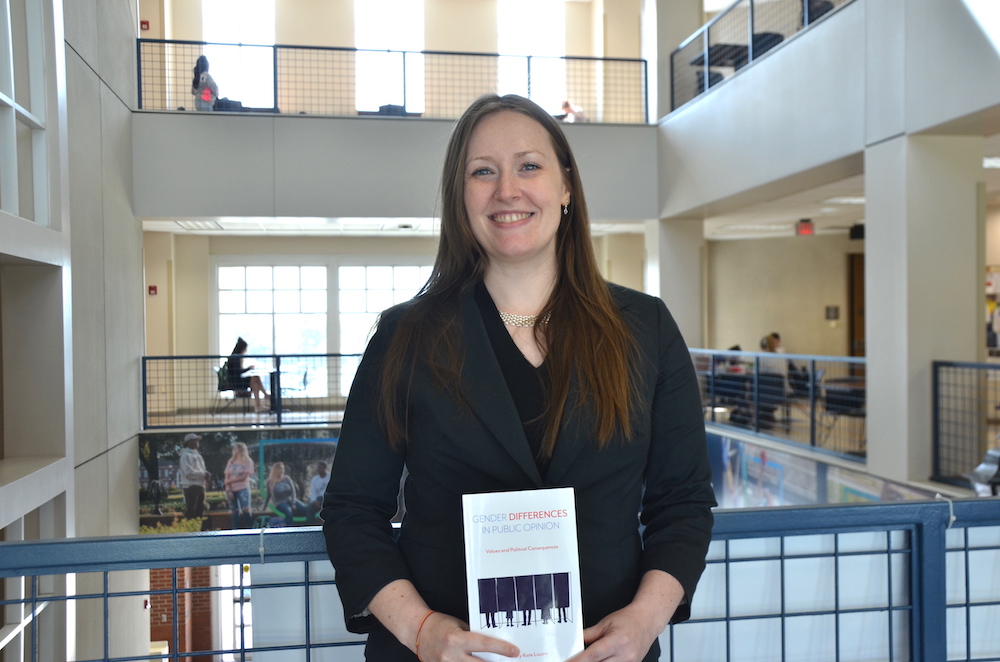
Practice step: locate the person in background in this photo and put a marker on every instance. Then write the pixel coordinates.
(317, 487)
(573, 114)
(517, 366)
(237, 475)
(281, 489)
(193, 477)
(203, 86)
(234, 375)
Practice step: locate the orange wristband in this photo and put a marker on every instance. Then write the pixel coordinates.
(416, 646)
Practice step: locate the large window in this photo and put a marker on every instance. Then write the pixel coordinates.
(367, 291)
(276, 309)
(386, 78)
(533, 27)
(245, 74)
(364, 293)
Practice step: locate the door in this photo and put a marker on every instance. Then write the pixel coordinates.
(856, 304)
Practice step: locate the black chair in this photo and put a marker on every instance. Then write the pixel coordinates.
(817, 9)
(714, 78)
(771, 394)
(765, 41)
(240, 393)
(844, 399)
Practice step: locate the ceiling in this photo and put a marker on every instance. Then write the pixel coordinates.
(833, 208)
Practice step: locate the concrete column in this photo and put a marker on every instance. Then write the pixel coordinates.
(923, 286)
(675, 266)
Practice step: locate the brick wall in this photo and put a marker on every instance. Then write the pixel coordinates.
(194, 611)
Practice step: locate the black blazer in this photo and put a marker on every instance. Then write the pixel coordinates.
(455, 448)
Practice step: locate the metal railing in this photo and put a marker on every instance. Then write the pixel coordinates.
(311, 80)
(900, 581)
(818, 401)
(966, 413)
(736, 37)
(194, 391)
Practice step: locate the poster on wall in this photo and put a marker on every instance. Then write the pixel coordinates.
(228, 479)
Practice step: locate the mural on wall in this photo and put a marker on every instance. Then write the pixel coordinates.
(227, 479)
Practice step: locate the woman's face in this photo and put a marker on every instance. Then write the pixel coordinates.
(514, 189)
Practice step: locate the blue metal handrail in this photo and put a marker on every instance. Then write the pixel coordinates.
(811, 400)
(933, 549)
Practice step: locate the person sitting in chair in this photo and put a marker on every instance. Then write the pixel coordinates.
(235, 378)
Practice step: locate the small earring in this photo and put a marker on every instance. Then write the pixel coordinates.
(565, 209)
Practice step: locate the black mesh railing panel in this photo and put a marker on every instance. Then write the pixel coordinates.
(730, 45)
(454, 80)
(325, 81)
(966, 418)
(197, 391)
(313, 81)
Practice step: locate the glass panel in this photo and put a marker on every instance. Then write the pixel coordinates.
(313, 278)
(809, 584)
(864, 636)
(755, 640)
(286, 301)
(300, 334)
(259, 302)
(755, 588)
(352, 278)
(232, 302)
(255, 329)
(379, 300)
(259, 278)
(355, 330)
(314, 301)
(406, 278)
(379, 278)
(352, 302)
(810, 638)
(232, 278)
(864, 581)
(286, 278)
(25, 168)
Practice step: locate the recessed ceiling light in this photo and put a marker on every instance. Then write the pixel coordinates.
(199, 225)
(992, 162)
(845, 200)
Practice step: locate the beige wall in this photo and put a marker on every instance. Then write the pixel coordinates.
(762, 285)
(460, 25)
(314, 22)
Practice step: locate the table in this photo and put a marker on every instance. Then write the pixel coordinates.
(723, 55)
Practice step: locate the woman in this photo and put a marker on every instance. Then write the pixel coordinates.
(203, 86)
(235, 378)
(516, 367)
(239, 469)
(281, 489)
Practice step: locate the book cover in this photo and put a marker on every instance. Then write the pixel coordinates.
(523, 571)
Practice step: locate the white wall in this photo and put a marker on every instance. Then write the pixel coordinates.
(336, 166)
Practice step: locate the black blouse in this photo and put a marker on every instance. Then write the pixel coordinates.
(526, 383)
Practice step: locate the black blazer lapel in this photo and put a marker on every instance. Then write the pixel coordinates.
(483, 384)
(574, 435)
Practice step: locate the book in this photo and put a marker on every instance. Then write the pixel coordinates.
(523, 571)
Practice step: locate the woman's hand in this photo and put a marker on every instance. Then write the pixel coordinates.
(444, 638)
(621, 636)
(627, 634)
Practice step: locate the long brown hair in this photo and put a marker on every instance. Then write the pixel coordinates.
(600, 349)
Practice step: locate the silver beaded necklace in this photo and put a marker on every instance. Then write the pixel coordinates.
(523, 321)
